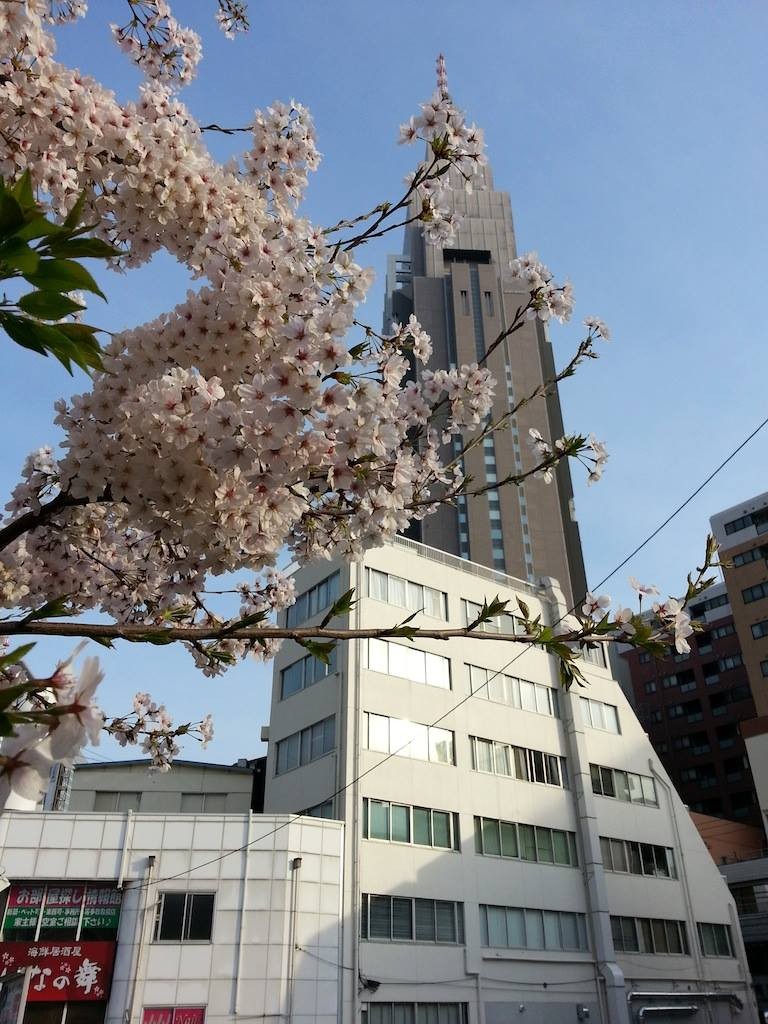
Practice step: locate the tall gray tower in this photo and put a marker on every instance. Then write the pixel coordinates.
(463, 296)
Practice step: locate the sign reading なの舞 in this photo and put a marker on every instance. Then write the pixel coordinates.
(66, 971)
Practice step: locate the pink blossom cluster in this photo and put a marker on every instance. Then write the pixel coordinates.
(548, 299)
(57, 717)
(455, 150)
(239, 422)
(157, 43)
(67, 719)
(151, 725)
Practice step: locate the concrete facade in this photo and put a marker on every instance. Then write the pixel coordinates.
(424, 811)
(464, 297)
(272, 945)
(191, 787)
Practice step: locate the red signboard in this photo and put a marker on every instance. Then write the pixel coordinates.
(173, 1015)
(61, 971)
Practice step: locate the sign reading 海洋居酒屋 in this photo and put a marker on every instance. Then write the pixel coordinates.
(61, 971)
(23, 908)
(173, 1015)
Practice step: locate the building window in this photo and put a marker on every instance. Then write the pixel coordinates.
(313, 601)
(753, 555)
(404, 594)
(750, 594)
(409, 739)
(401, 823)
(720, 632)
(738, 524)
(626, 786)
(594, 655)
(494, 838)
(599, 715)
(649, 935)
(650, 687)
(403, 919)
(407, 663)
(760, 629)
(715, 939)
(305, 673)
(518, 693)
(697, 610)
(644, 657)
(633, 858)
(519, 928)
(207, 803)
(518, 762)
(696, 742)
(746, 898)
(505, 623)
(488, 299)
(764, 669)
(464, 302)
(307, 745)
(414, 1013)
(322, 810)
(184, 917)
(107, 800)
(729, 662)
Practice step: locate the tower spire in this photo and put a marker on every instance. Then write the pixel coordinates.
(442, 77)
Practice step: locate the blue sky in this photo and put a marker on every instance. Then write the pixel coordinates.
(632, 139)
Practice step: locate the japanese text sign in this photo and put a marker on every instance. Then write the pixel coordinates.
(173, 1015)
(61, 972)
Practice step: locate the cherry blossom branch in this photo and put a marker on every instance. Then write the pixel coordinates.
(32, 520)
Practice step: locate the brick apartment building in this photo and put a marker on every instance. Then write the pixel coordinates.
(692, 706)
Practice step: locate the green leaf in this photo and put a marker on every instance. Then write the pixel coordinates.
(157, 636)
(321, 651)
(409, 632)
(27, 333)
(341, 606)
(11, 694)
(524, 608)
(75, 215)
(22, 192)
(57, 608)
(83, 349)
(63, 276)
(17, 255)
(6, 726)
(37, 227)
(104, 641)
(11, 215)
(14, 657)
(48, 305)
(246, 621)
(82, 248)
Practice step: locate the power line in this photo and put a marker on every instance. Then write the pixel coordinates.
(467, 697)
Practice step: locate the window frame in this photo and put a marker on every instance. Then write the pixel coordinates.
(457, 913)
(189, 898)
(453, 825)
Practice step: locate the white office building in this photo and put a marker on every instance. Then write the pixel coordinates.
(513, 852)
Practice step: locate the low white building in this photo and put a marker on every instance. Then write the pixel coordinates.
(192, 787)
(514, 852)
(172, 919)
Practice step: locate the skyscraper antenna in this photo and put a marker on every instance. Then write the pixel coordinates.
(442, 77)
